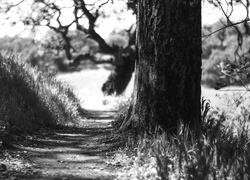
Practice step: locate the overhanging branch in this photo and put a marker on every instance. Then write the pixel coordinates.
(86, 57)
(230, 25)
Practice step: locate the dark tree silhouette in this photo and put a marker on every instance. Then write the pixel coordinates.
(168, 67)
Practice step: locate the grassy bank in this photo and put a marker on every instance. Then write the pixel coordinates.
(221, 150)
(31, 99)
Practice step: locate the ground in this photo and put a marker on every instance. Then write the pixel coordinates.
(75, 153)
(65, 153)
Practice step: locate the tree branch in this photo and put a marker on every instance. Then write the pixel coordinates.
(85, 57)
(97, 11)
(91, 30)
(230, 25)
(13, 5)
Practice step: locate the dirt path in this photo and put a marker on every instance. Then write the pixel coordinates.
(71, 153)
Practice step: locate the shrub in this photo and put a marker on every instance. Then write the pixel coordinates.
(31, 99)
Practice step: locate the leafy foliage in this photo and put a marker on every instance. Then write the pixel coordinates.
(30, 51)
(37, 53)
(224, 62)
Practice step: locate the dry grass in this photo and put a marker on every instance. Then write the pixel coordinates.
(220, 151)
(31, 99)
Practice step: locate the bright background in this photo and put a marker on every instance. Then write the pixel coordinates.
(88, 83)
(210, 14)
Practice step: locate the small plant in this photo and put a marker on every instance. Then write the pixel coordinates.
(122, 107)
(123, 103)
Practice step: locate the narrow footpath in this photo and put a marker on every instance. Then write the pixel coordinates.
(68, 153)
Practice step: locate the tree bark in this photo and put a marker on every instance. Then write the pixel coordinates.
(168, 67)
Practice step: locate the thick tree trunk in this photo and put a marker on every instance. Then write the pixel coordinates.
(168, 68)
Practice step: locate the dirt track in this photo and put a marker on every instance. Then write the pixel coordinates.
(70, 153)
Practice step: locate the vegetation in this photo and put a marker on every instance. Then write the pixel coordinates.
(41, 54)
(222, 49)
(51, 13)
(31, 99)
(169, 133)
(218, 150)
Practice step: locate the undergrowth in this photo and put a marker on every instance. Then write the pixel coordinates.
(31, 99)
(218, 151)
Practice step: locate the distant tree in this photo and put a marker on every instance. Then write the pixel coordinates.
(168, 66)
(81, 15)
(26, 47)
(32, 52)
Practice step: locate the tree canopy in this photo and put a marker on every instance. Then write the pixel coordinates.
(62, 17)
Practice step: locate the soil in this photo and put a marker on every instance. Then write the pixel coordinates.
(64, 152)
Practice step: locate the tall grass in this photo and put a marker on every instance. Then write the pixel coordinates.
(31, 99)
(218, 151)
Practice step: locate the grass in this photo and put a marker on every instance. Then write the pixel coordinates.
(31, 99)
(221, 150)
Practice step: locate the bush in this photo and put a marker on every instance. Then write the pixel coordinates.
(31, 99)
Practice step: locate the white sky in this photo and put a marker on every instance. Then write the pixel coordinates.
(209, 16)
(105, 26)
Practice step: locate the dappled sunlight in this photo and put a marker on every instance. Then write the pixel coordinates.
(71, 151)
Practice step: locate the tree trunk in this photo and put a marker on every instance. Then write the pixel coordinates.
(168, 67)
(120, 77)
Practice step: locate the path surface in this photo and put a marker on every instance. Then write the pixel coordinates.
(72, 153)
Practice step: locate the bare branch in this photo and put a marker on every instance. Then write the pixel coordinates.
(91, 30)
(13, 5)
(92, 19)
(97, 11)
(85, 57)
(239, 38)
(227, 26)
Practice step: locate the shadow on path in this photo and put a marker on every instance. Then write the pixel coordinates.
(73, 153)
